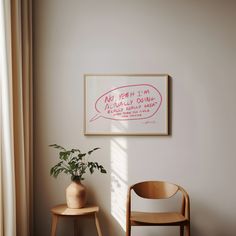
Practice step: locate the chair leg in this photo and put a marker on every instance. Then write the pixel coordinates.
(128, 228)
(181, 232)
(187, 229)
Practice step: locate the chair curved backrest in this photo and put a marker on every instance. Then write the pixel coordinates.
(158, 190)
(155, 189)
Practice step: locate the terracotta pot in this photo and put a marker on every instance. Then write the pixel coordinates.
(76, 195)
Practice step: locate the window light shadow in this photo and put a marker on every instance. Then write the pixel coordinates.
(119, 178)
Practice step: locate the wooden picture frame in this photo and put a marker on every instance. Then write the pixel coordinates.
(132, 104)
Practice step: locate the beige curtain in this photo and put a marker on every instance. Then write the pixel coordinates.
(16, 122)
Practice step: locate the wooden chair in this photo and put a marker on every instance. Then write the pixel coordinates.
(158, 190)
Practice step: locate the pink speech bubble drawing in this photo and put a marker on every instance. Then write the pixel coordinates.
(130, 102)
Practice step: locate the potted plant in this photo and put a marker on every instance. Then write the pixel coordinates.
(75, 163)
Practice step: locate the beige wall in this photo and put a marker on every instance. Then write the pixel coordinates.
(194, 42)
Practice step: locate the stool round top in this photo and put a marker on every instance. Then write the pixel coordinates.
(64, 210)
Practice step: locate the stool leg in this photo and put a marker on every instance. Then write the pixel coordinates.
(97, 225)
(76, 231)
(54, 224)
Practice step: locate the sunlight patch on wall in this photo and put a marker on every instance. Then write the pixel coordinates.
(120, 125)
(119, 177)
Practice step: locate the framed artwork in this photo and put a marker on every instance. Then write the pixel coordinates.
(126, 104)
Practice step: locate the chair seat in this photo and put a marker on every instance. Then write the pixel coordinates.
(167, 218)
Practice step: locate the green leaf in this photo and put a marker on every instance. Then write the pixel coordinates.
(51, 171)
(57, 146)
(64, 155)
(91, 170)
(91, 151)
(103, 171)
(59, 164)
(72, 162)
(75, 150)
(81, 155)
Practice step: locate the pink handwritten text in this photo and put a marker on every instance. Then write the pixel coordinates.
(130, 102)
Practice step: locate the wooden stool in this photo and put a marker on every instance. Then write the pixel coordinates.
(63, 211)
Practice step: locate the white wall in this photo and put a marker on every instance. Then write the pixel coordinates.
(195, 43)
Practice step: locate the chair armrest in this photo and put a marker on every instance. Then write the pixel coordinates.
(185, 204)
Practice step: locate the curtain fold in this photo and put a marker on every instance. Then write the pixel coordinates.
(8, 213)
(22, 109)
(19, 105)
